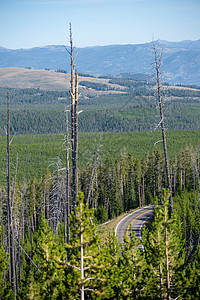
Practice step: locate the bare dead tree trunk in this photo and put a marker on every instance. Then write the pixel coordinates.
(72, 93)
(175, 177)
(157, 67)
(17, 230)
(76, 138)
(167, 257)
(185, 233)
(74, 124)
(8, 183)
(34, 215)
(94, 166)
(160, 267)
(67, 236)
(10, 233)
(143, 198)
(194, 187)
(82, 254)
(56, 200)
(44, 200)
(13, 196)
(139, 195)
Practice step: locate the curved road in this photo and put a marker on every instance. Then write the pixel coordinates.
(135, 219)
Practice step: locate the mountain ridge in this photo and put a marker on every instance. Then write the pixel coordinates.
(181, 60)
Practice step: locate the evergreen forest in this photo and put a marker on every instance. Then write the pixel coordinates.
(71, 162)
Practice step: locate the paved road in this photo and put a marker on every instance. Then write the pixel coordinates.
(135, 219)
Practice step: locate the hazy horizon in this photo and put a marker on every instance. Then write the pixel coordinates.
(60, 45)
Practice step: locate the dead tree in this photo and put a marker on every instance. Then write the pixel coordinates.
(66, 216)
(167, 258)
(75, 166)
(74, 124)
(158, 60)
(93, 171)
(10, 233)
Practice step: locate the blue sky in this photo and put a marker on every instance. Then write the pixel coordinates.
(30, 23)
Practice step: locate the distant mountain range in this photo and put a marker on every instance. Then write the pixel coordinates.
(181, 60)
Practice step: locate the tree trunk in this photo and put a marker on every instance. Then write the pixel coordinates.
(139, 195)
(74, 125)
(10, 233)
(167, 258)
(66, 216)
(194, 177)
(157, 65)
(76, 140)
(185, 233)
(143, 198)
(82, 265)
(93, 172)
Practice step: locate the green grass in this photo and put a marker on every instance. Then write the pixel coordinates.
(106, 229)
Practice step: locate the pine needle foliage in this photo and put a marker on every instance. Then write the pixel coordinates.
(46, 277)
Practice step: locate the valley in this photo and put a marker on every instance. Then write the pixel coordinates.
(121, 167)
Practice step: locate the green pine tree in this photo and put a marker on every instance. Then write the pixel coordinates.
(83, 254)
(111, 273)
(46, 277)
(5, 288)
(164, 253)
(193, 290)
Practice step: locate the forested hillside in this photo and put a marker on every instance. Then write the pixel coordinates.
(118, 165)
(37, 111)
(39, 221)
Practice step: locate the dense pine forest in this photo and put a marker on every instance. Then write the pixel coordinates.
(47, 266)
(38, 152)
(58, 185)
(36, 111)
